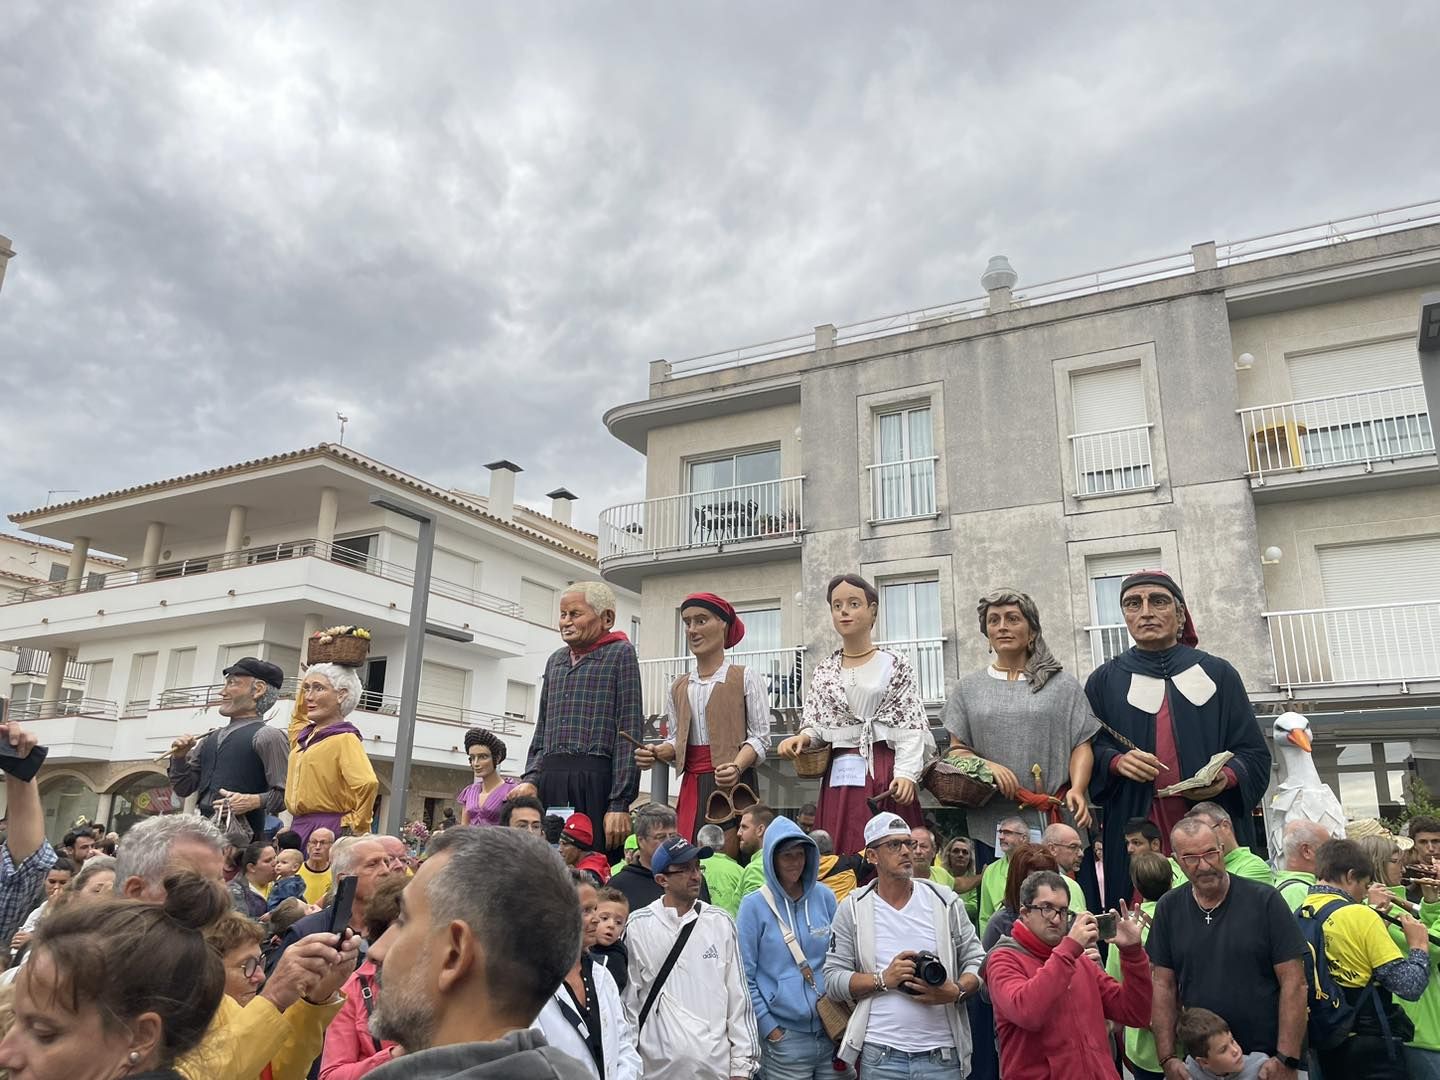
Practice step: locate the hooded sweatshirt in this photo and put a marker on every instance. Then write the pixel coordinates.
(778, 991)
(520, 1055)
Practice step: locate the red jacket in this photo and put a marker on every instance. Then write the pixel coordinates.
(350, 1049)
(1050, 1012)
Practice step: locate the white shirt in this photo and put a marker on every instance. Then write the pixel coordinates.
(699, 687)
(896, 1019)
(865, 685)
(617, 1033)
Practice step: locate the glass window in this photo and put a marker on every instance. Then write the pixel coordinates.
(66, 800)
(910, 624)
(903, 476)
(140, 798)
(737, 497)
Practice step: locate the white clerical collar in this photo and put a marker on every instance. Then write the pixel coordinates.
(1148, 694)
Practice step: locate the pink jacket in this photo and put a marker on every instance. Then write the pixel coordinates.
(349, 1047)
(1050, 1013)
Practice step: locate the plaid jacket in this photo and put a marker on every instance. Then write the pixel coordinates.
(583, 706)
(20, 885)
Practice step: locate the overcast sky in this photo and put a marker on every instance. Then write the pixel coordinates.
(471, 230)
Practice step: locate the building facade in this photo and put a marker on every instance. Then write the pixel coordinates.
(250, 559)
(1056, 439)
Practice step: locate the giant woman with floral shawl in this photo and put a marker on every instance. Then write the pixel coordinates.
(864, 703)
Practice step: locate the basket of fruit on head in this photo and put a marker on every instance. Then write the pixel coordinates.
(348, 645)
(957, 780)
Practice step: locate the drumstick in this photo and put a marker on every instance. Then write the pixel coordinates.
(1123, 741)
(631, 739)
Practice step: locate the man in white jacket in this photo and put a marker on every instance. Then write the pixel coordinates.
(695, 1019)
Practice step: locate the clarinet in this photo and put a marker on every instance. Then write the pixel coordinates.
(1395, 921)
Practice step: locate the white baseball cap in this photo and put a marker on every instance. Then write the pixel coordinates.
(882, 826)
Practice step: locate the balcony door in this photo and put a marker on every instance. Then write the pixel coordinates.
(1107, 631)
(910, 624)
(733, 497)
(1360, 403)
(903, 484)
(1112, 436)
(1387, 627)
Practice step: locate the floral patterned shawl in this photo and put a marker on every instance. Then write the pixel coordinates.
(827, 709)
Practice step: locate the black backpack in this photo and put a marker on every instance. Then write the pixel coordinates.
(1333, 1009)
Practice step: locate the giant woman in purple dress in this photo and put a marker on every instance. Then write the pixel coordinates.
(480, 803)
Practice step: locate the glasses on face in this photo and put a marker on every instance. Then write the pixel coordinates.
(1013, 832)
(249, 966)
(1070, 847)
(1213, 855)
(1050, 912)
(896, 845)
(1158, 602)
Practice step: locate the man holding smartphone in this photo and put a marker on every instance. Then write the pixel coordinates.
(1051, 1002)
(25, 856)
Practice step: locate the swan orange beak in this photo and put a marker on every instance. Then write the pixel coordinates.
(1300, 739)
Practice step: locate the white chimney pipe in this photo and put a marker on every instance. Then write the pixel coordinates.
(501, 500)
(562, 503)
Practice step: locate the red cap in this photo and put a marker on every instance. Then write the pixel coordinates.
(734, 628)
(578, 828)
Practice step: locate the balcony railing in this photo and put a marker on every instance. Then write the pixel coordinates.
(772, 509)
(902, 489)
(1347, 429)
(45, 710)
(1374, 644)
(782, 669)
(1107, 642)
(204, 697)
(36, 662)
(1112, 461)
(287, 549)
(927, 657)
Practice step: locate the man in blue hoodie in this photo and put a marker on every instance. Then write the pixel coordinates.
(784, 995)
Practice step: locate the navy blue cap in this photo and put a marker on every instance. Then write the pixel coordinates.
(677, 851)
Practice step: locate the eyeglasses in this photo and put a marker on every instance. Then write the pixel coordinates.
(1158, 602)
(1050, 912)
(1202, 857)
(896, 845)
(250, 966)
(1070, 847)
(1013, 832)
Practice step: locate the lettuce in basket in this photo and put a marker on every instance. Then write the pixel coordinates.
(972, 766)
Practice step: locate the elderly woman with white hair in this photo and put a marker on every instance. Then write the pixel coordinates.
(330, 783)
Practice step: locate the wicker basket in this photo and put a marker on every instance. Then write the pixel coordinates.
(811, 764)
(951, 787)
(346, 650)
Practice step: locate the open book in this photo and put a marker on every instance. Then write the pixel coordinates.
(1208, 774)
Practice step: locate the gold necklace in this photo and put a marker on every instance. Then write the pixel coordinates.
(858, 655)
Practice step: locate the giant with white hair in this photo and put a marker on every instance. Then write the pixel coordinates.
(597, 594)
(343, 679)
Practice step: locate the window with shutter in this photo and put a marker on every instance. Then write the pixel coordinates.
(1109, 636)
(1111, 437)
(539, 601)
(910, 624)
(1388, 623)
(442, 690)
(1360, 402)
(517, 700)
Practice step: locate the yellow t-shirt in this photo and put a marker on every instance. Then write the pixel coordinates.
(1356, 941)
(317, 884)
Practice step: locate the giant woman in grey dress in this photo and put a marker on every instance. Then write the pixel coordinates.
(1019, 711)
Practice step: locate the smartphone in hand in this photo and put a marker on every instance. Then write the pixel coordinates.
(1107, 923)
(344, 902)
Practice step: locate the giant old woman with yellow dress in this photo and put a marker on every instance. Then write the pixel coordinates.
(330, 782)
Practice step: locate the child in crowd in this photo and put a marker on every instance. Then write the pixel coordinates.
(288, 882)
(281, 917)
(609, 950)
(1214, 1053)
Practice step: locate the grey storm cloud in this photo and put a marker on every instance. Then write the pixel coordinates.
(470, 226)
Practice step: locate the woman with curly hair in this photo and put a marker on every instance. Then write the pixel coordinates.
(481, 802)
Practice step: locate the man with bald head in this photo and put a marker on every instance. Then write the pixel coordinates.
(1301, 839)
(1230, 945)
(589, 704)
(1068, 850)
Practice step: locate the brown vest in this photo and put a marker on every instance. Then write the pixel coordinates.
(724, 717)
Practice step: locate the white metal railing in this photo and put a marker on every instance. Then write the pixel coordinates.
(902, 489)
(704, 519)
(98, 708)
(1107, 642)
(1373, 644)
(782, 669)
(1111, 461)
(1228, 253)
(927, 657)
(267, 553)
(37, 662)
(1345, 429)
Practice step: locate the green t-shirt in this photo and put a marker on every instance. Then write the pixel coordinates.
(723, 876)
(1139, 1042)
(754, 875)
(1294, 886)
(1242, 862)
(1425, 1013)
(943, 876)
(992, 890)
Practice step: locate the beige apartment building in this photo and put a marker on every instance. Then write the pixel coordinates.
(1249, 416)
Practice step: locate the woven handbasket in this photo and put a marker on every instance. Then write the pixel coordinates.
(951, 787)
(347, 650)
(811, 764)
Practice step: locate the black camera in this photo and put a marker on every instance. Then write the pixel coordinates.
(928, 970)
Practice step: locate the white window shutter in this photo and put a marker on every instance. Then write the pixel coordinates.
(1103, 400)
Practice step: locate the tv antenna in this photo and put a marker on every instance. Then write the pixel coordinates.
(52, 492)
(343, 421)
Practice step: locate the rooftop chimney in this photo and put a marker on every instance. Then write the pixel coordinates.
(501, 500)
(561, 504)
(999, 278)
(6, 254)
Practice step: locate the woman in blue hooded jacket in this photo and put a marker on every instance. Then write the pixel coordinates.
(794, 1046)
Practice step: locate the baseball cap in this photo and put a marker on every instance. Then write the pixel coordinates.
(677, 851)
(263, 670)
(578, 828)
(883, 826)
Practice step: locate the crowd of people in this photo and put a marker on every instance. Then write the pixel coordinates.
(1084, 921)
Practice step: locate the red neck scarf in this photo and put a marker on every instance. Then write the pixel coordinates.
(1021, 933)
(605, 639)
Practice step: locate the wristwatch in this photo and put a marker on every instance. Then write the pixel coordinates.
(1290, 1062)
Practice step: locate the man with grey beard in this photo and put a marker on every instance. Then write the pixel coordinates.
(474, 957)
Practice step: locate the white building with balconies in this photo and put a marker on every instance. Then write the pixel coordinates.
(250, 559)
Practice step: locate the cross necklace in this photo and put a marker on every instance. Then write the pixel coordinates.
(1208, 911)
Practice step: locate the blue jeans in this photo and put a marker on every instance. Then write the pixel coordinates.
(799, 1055)
(883, 1063)
(1424, 1064)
